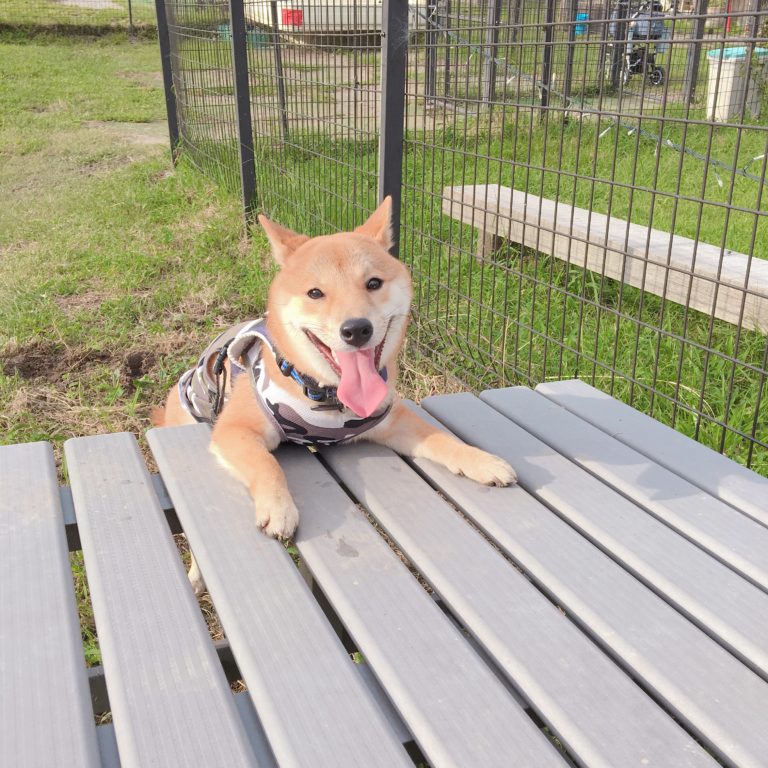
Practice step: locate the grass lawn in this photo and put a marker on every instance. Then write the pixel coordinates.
(114, 267)
(523, 318)
(52, 13)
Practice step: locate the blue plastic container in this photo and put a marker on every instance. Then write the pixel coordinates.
(739, 52)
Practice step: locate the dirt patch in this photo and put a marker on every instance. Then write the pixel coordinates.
(92, 150)
(46, 360)
(135, 364)
(79, 302)
(47, 109)
(139, 134)
(189, 228)
(145, 79)
(201, 308)
(160, 176)
(15, 249)
(93, 5)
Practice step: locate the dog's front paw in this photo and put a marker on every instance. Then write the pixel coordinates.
(277, 515)
(483, 467)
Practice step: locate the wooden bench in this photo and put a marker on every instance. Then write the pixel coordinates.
(729, 285)
(616, 599)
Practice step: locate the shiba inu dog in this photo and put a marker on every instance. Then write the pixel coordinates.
(319, 368)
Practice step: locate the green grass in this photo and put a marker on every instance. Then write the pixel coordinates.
(114, 267)
(499, 323)
(49, 13)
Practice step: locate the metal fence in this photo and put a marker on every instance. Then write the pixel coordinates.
(130, 14)
(580, 183)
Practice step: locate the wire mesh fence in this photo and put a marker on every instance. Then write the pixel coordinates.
(566, 212)
(582, 187)
(315, 102)
(203, 87)
(130, 14)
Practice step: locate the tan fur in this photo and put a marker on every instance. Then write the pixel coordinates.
(340, 265)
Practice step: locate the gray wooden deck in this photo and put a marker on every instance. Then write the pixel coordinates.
(611, 610)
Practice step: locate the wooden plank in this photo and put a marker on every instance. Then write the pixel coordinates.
(600, 715)
(110, 757)
(45, 710)
(457, 710)
(715, 526)
(312, 704)
(255, 730)
(700, 465)
(719, 600)
(697, 275)
(719, 699)
(100, 696)
(170, 701)
(383, 702)
(68, 507)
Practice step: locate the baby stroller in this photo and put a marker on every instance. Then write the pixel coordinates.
(646, 33)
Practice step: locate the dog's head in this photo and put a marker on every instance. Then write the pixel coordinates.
(338, 307)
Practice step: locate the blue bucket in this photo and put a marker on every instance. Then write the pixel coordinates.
(581, 29)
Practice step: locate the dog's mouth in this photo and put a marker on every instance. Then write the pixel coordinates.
(328, 353)
(361, 387)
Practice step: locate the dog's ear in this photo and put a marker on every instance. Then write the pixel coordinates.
(283, 240)
(379, 224)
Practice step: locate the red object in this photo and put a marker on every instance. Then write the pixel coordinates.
(728, 17)
(292, 17)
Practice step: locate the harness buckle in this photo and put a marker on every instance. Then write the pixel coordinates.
(333, 405)
(218, 365)
(216, 398)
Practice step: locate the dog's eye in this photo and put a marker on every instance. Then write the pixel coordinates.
(315, 293)
(374, 284)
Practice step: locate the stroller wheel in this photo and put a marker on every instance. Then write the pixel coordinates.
(656, 76)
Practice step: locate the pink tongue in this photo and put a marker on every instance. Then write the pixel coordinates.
(361, 387)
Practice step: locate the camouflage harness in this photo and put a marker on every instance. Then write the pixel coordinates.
(316, 417)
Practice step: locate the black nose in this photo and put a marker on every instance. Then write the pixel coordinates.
(356, 331)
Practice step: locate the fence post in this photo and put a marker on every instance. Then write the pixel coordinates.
(243, 105)
(514, 10)
(279, 71)
(546, 57)
(167, 65)
(394, 51)
(573, 10)
(130, 17)
(446, 26)
(491, 50)
(619, 46)
(430, 39)
(694, 52)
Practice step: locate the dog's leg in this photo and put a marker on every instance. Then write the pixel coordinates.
(407, 433)
(172, 414)
(242, 441)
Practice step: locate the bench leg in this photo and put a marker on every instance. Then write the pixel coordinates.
(487, 244)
